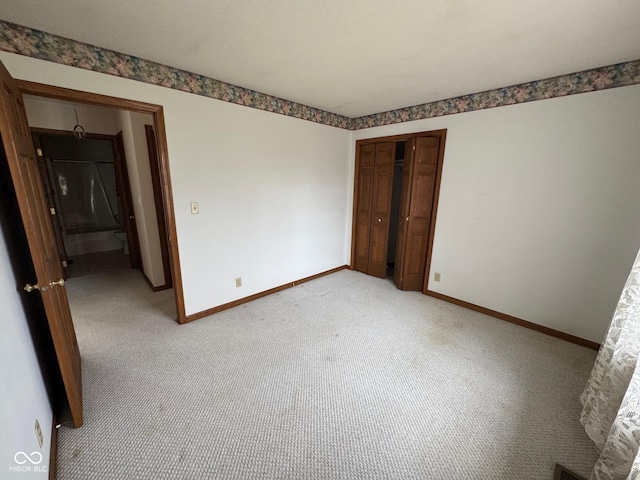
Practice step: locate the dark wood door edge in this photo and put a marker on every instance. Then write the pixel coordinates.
(129, 222)
(518, 321)
(53, 450)
(235, 303)
(352, 262)
(434, 207)
(77, 96)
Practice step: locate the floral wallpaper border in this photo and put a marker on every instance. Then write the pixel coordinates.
(46, 46)
(612, 76)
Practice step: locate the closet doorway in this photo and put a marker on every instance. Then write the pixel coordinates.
(397, 182)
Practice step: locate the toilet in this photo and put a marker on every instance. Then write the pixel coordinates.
(122, 236)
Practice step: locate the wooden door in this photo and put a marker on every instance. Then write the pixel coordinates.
(381, 208)
(403, 215)
(364, 179)
(54, 210)
(417, 205)
(123, 191)
(23, 166)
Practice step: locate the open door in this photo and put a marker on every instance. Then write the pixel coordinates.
(403, 214)
(364, 178)
(416, 211)
(123, 187)
(23, 165)
(381, 208)
(375, 186)
(50, 195)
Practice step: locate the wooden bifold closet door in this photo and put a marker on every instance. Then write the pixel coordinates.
(416, 206)
(375, 186)
(376, 160)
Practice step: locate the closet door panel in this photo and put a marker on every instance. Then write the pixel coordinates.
(423, 178)
(381, 209)
(403, 215)
(363, 212)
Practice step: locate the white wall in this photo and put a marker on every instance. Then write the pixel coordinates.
(135, 146)
(59, 115)
(23, 398)
(273, 190)
(147, 198)
(538, 215)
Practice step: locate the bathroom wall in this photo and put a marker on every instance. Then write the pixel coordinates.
(135, 145)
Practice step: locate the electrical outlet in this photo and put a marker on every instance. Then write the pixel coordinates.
(436, 276)
(238, 282)
(39, 435)
(195, 208)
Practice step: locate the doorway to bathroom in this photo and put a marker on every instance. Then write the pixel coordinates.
(100, 166)
(86, 180)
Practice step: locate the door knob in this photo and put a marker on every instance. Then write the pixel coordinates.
(30, 288)
(379, 220)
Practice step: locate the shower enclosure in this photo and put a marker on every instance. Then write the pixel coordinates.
(86, 192)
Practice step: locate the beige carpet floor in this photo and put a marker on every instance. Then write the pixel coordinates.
(344, 377)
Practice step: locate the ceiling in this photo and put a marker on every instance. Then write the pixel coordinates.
(354, 57)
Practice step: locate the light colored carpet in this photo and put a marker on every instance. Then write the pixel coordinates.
(344, 377)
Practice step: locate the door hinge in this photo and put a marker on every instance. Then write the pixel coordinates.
(414, 148)
(65, 264)
(39, 152)
(52, 210)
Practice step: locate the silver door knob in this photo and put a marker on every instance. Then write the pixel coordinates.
(379, 220)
